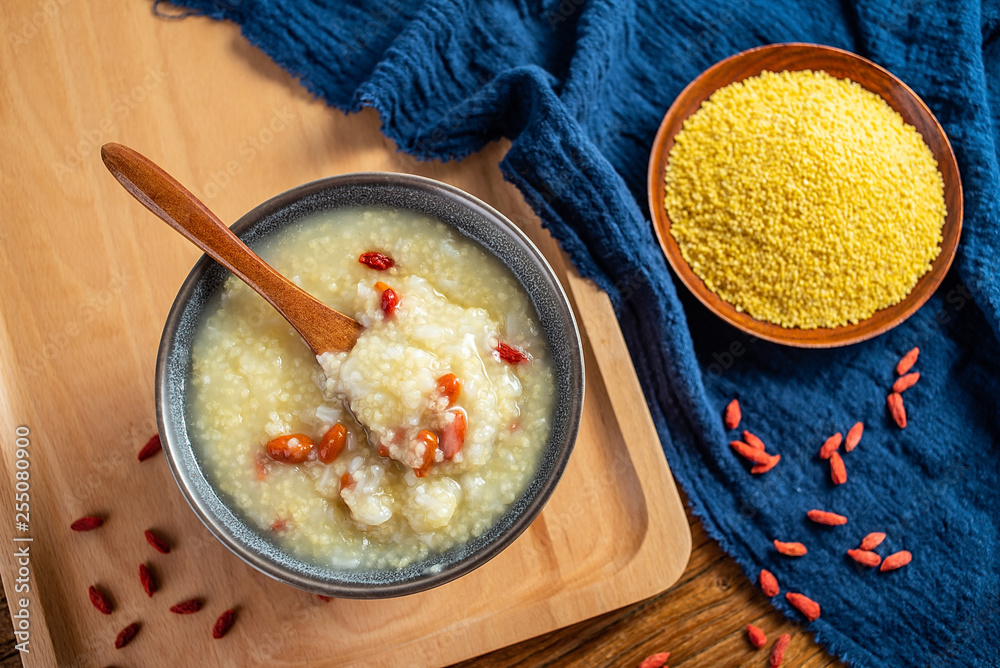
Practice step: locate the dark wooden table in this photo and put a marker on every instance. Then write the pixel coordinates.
(701, 621)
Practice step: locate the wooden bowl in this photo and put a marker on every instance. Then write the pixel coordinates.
(840, 64)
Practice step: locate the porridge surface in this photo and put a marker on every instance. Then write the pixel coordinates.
(396, 500)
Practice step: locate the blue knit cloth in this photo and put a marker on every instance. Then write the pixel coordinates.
(579, 87)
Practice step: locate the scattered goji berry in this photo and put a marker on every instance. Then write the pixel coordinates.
(790, 549)
(872, 540)
(854, 436)
(769, 583)
(804, 604)
(823, 517)
(865, 557)
(152, 446)
(188, 607)
(750, 453)
(223, 623)
(896, 409)
(655, 660)
(897, 560)
(830, 446)
(86, 523)
(907, 362)
(904, 383)
(126, 635)
(157, 541)
(753, 441)
(838, 472)
(764, 468)
(756, 636)
(733, 415)
(147, 580)
(100, 600)
(778, 650)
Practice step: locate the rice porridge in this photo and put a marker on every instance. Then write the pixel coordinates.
(416, 440)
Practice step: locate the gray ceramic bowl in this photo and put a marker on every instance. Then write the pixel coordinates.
(470, 217)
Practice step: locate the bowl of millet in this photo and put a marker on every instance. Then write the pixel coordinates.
(805, 195)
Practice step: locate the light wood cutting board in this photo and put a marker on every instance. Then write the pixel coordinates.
(88, 276)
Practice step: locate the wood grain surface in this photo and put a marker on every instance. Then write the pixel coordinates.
(78, 255)
(844, 65)
(701, 620)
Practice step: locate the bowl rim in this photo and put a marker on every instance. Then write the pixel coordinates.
(822, 337)
(179, 452)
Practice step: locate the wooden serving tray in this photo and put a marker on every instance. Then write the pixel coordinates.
(88, 277)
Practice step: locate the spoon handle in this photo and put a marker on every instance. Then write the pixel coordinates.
(323, 328)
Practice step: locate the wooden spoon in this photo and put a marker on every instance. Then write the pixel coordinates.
(323, 328)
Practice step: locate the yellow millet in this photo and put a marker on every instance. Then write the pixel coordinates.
(804, 199)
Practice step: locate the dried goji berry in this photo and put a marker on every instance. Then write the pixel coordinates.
(865, 557)
(804, 604)
(733, 415)
(904, 383)
(854, 436)
(897, 560)
(375, 260)
(188, 607)
(223, 623)
(778, 650)
(100, 600)
(823, 517)
(872, 540)
(838, 472)
(756, 636)
(907, 362)
(151, 448)
(126, 635)
(510, 354)
(86, 523)
(764, 468)
(790, 549)
(753, 441)
(769, 583)
(830, 446)
(147, 580)
(655, 660)
(390, 300)
(896, 409)
(158, 543)
(750, 453)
